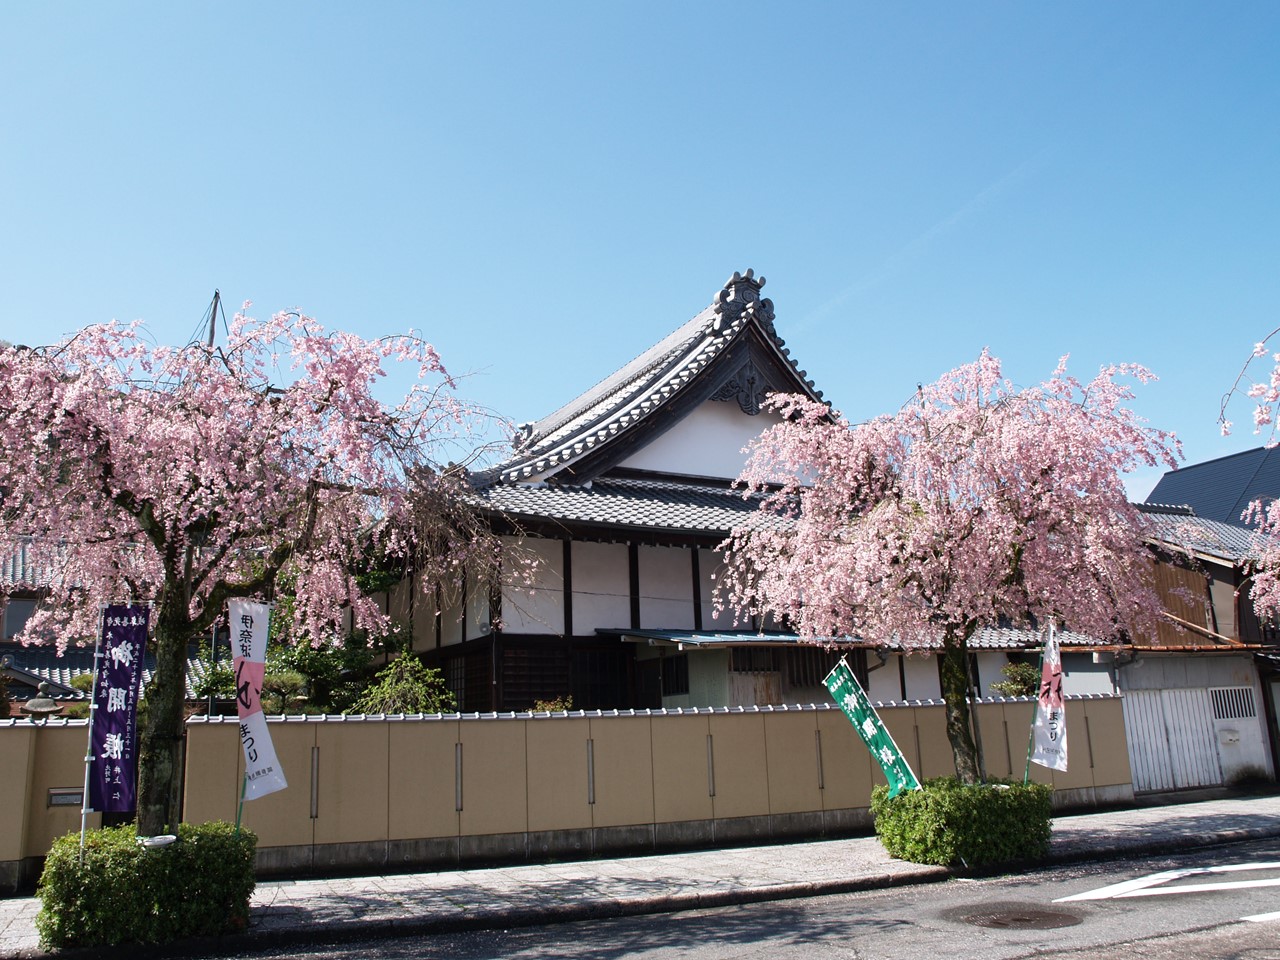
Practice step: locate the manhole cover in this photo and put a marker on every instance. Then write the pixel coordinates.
(1012, 916)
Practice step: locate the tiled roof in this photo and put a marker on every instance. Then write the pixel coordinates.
(986, 638)
(1179, 527)
(18, 569)
(44, 662)
(650, 503)
(1021, 638)
(1221, 489)
(644, 386)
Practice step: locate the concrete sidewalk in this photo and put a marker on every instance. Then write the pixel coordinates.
(308, 910)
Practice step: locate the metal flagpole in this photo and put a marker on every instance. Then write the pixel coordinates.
(244, 785)
(93, 713)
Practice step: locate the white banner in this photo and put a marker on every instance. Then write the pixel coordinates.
(1050, 731)
(249, 622)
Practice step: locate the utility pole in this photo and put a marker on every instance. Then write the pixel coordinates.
(213, 315)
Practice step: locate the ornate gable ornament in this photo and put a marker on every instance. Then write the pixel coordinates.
(741, 295)
(748, 386)
(740, 300)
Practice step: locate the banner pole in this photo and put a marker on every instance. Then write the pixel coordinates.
(244, 783)
(1035, 712)
(93, 713)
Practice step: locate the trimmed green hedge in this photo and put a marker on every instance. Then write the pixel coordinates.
(122, 893)
(954, 824)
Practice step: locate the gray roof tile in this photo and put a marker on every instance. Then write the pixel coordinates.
(1179, 527)
(652, 503)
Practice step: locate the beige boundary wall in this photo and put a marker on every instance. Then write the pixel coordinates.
(393, 793)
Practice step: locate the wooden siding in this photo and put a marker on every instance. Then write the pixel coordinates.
(1184, 592)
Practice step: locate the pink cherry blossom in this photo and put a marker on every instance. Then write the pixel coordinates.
(974, 504)
(186, 476)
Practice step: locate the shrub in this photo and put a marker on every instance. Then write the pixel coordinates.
(79, 709)
(561, 704)
(954, 824)
(336, 672)
(124, 893)
(1020, 680)
(284, 691)
(405, 685)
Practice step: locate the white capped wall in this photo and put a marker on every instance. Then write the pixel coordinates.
(706, 443)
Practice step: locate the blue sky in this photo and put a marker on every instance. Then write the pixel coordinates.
(547, 189)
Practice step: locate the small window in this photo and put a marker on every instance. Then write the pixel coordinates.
(754, 660)
(675, 675)
(16, 614)
(455, 678)
(1233, 703)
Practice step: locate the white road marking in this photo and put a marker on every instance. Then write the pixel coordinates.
(1262, 917)
(1141, 886)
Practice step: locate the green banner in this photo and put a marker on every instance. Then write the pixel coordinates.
(848, 693)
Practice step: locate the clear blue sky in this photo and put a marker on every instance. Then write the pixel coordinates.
(546, 189)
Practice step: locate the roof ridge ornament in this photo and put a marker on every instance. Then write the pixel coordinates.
(741, 296)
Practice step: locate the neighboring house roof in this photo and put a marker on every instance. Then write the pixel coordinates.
(652, 503)
(1181, 528)
(28, 683)
(1221, 489)
(730, 351)
(43, 662)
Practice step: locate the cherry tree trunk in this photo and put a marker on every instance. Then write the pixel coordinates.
(955, 692)
(162, 739)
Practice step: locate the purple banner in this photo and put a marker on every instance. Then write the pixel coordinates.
(114, 738)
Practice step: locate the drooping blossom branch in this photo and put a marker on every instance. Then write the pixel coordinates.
(975, 504)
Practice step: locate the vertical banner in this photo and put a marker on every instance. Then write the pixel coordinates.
(848, 693)
(113, 737)
(1049, 734)
(249, 621)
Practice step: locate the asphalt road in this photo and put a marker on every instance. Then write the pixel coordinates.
(1178, 906)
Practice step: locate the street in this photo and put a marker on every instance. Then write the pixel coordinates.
(1218, 903)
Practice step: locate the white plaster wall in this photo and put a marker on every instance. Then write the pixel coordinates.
(711, 569)
(601, 587)
(883, 683)
(478, 613)
(922, 678)
(666, 588)
(424, 622)
(1080, 675)
(706, 443)
(451, 623)
(990, 663)
(537, 607)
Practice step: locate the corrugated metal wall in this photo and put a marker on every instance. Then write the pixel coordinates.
(1172, 745)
